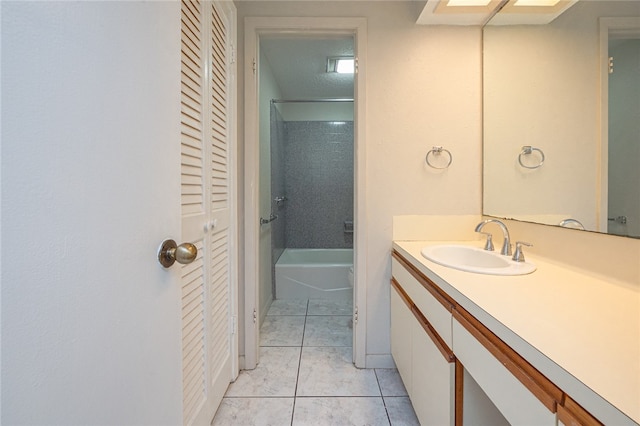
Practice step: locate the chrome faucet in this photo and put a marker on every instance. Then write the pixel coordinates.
(506, 245)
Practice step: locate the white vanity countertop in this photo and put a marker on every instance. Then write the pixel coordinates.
(580, 330)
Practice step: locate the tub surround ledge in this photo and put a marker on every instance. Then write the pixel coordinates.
(579, 329)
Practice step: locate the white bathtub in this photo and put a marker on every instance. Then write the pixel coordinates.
(314, 274)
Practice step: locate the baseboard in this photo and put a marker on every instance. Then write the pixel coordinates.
(380, 361)
(241, 362)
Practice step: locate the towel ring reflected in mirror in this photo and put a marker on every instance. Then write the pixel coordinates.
(437, 151)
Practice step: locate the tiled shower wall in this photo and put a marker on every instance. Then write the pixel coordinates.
(312, 165)
(318, 178)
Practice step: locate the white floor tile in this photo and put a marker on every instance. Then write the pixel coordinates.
(328, 331)
(288, 307)
(330, 390)
(254, 411)
(276, 375)
(330, 372)
(340, 411)
(282, 331)
(330, 307)
(401, 411)
(390, 382)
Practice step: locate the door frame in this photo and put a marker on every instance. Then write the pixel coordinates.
(255, 27)
(609, 28)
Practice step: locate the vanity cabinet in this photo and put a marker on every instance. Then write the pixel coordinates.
(457, 371)
(424, 359)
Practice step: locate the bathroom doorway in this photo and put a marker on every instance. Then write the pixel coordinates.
(307, 207)
(304, 167)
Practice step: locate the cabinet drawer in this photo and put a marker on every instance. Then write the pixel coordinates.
(514, 400)
(433, 309)
(401, 323)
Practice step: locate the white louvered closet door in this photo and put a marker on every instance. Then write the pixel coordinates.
(206, 207)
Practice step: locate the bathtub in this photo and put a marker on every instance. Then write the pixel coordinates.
(314, 274)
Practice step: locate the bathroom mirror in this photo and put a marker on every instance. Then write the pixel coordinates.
(553, 152)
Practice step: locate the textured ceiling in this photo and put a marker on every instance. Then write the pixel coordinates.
(300, 66)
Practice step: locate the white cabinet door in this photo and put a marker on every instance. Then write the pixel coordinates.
(434, 381)
(401, 323)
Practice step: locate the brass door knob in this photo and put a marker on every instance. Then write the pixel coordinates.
(170, 253)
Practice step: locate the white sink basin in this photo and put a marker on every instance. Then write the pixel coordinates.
(477, 260)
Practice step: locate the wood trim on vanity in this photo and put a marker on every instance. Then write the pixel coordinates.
(403, 294)
(431, 287)
(546, 392)
(446, 352)
(459, 394)
(570, 413)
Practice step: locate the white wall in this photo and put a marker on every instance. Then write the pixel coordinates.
(423, 89)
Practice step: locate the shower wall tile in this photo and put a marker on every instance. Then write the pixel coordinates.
(318, 166)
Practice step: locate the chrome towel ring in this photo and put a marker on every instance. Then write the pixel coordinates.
(438, 150)
(528, 150)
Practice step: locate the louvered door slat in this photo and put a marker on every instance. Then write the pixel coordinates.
(191, 174)
(190, 106)
(218, 24)
(219, 73)
(189, 137)
(219, 158)
(220, 122)
(191, 75)
(219, 131)
(189, 91)
(192, 155)
(190, 26)
(191, 80)
(192, 10)
(219, 85)
(190, 53)
(188, 160)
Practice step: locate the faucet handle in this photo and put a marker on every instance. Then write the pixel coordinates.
(518, 255)
(489, 244)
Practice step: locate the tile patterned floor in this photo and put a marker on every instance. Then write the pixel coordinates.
(306, 377)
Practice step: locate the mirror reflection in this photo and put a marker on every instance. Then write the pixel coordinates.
(553, 152)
